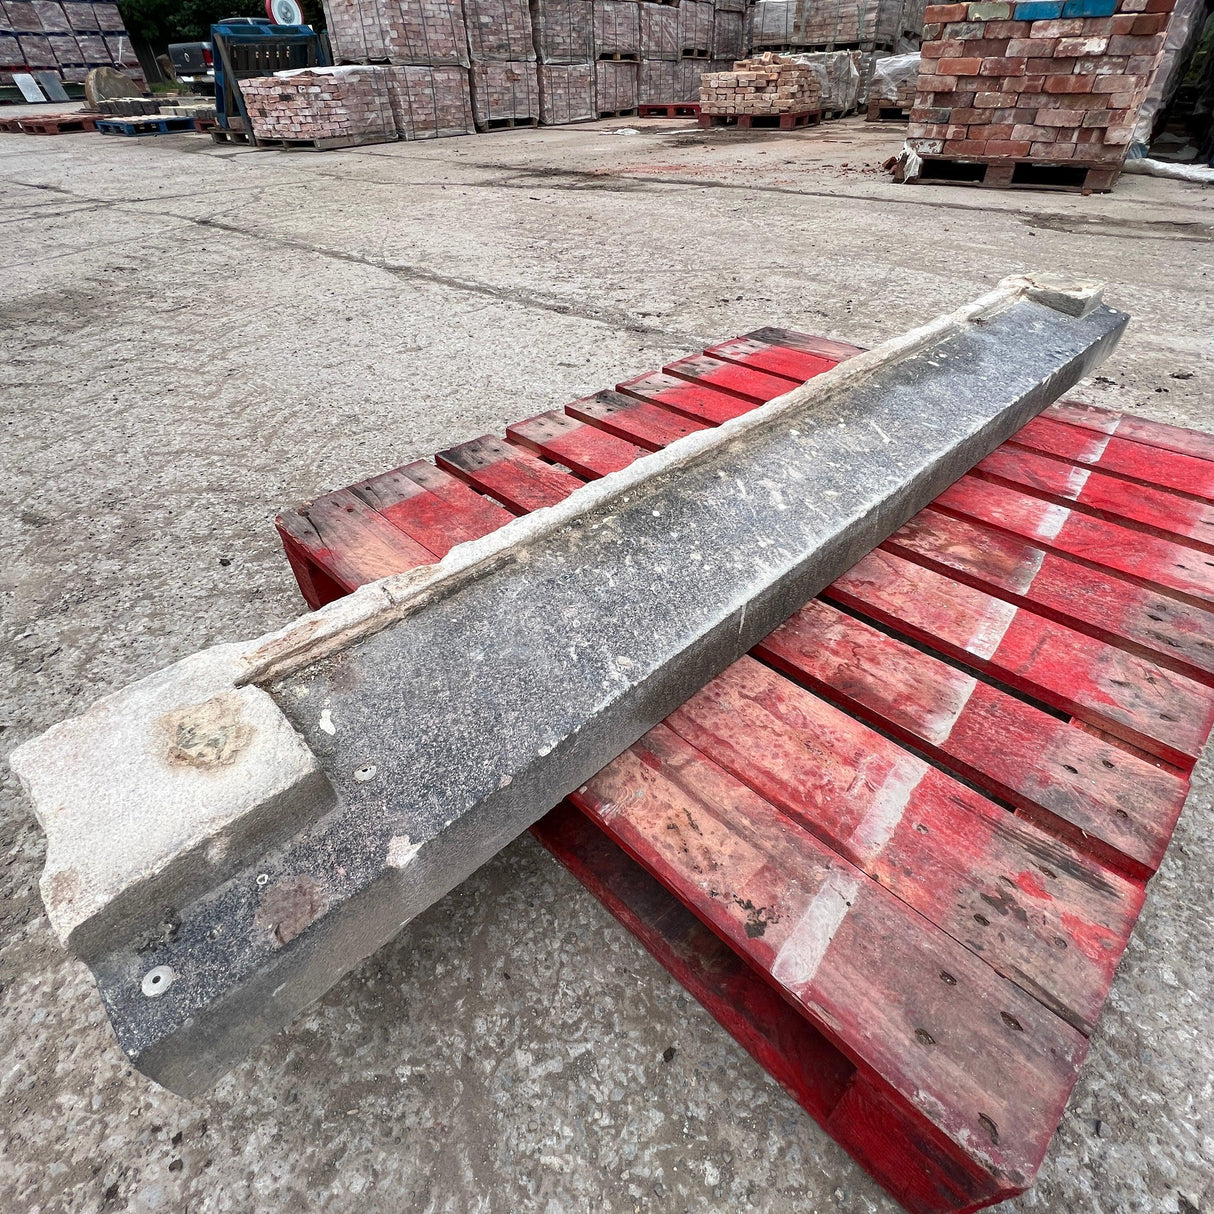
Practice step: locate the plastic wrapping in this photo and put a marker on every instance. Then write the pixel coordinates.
(314, 104)
(1184, 30)
(838, 76)
(894, 79)
(504, 91)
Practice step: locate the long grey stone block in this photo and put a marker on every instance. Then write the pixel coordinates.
(229, 837)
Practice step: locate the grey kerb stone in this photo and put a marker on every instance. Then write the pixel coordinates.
(259, 817)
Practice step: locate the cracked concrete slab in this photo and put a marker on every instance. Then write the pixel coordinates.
(513, 1049)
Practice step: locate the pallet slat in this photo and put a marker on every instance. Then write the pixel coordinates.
(517, 479)
(694, 400)
(1173, 633)
(1139, 429)
(587, 450)
(1146, 559)
(639, 422)
(350, 542)
(1155, 466)
(1041, 913)
(1150, 707)
(799, 365)
(757, 387)
(1167, 515)
(1103, 801)
(976, 1057)
(431, 506)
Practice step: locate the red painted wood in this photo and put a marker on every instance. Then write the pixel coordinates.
(987, 1065)
(1103, 801)
(1156, 709)
(1148, 465)
(432, 506)
(694, 400)
(775, 359)
(1146, 559)
(1045, 915)
(516, 478)
(349, 542)
(647, 425)
(824, 347)
(1156, 511)
(587, 450)
(898, 1147)
(1158, 626)
(758, 387)
(314, 584)
(786, 1045)
(1138, 429)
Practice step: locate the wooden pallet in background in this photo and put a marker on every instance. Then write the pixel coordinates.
(898, 850)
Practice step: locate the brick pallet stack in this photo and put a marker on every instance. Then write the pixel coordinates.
(659, 74)
(617, 46)
(564, 44)
(1037, 93)
(65, 38)
(505, 84)
(834, 24)
(348, 105)
(419, 34)
(767, 86)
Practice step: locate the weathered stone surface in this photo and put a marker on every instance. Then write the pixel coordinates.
(105, 83)
(452, 706)
(156, 794)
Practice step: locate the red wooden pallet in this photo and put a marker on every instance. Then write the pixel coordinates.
(899, 849)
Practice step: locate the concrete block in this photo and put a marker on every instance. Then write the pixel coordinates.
(338, 777)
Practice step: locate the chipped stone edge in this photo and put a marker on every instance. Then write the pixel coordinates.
(380, 604)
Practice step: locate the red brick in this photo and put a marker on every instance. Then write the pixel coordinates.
(927, 113)
(1129, 45)
(959, 131)
(967, 114)
(945, 12)
(1123, 23)
(1074, 47)
(928, 130)
(1097, 27)
(932, 32)
(1024, 114)
(1068, 84)
(964, 147)
(1141, 63)
(946, 46)
(985, 47)
(1097, 118)
(1031, 47)
(1066, 134)
(1065, 28)
(1007, 29)
(1160, 6)
(1040, 67)
(1044, 134)
(959, 67)
(1007, 147)
(994, 101)
(1002, 66)
(1151, 23)
(1097, 65)
(1048, 117)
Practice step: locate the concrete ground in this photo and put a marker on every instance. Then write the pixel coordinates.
(196, 335)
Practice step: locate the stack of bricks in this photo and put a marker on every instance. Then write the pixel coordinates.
(505, 84)
(617, 47)
(428, 102)
(343, 105)
(67, 38)
(1045, 82)
(408, 32)
(504, 92)
(567, 93)
(832, 24)
(564, 45)
(766, 84)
